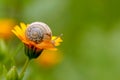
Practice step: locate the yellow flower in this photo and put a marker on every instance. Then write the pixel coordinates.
(5, 27)
(35, 38)
(49, 58)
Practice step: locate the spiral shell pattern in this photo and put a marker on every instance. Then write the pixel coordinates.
(38, 31)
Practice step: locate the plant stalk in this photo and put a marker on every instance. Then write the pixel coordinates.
(24, 68)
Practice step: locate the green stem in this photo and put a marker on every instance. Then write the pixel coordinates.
(24, 68)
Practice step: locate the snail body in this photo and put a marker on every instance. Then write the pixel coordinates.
(38, 31)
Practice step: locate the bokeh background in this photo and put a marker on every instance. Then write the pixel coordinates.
(91, 38)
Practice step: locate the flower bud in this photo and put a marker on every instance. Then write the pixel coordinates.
(12, 74)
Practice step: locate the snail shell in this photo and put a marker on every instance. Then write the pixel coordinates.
(38, 31)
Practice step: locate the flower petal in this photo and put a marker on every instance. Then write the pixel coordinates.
(23, 26)
(56, 40)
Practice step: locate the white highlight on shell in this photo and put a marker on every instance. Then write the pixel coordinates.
(38, 31)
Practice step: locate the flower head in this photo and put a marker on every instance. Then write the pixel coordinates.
(37, 37)
(49, 59)
(6, 26)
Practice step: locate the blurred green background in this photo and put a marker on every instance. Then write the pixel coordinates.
(91, 38)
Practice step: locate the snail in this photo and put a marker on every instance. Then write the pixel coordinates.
(38, 31)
